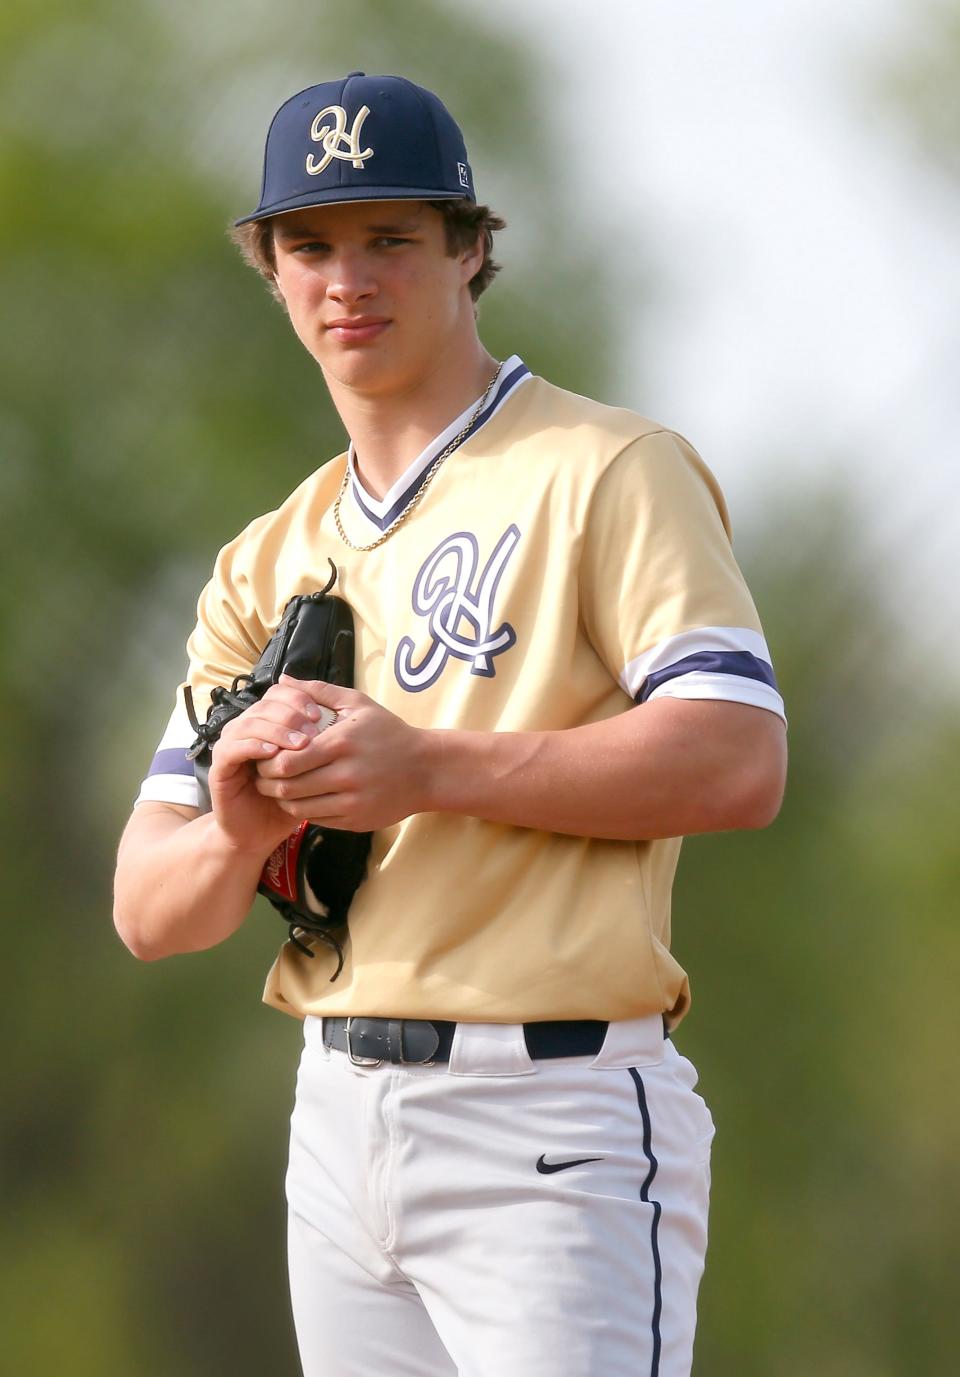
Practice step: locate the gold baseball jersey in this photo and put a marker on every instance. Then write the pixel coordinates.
(566, 562)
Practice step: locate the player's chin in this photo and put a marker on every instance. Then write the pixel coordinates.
(369, 369)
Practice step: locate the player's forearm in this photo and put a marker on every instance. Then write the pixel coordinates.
(647, 773)
(180, 886)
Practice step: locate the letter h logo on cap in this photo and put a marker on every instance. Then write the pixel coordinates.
(331, 136)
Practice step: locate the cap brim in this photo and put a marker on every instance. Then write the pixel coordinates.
(353, 196)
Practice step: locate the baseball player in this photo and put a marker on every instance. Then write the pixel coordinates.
(499, 1164)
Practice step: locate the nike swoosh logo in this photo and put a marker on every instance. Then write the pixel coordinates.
(547, 1168)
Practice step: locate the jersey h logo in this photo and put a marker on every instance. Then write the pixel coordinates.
(331, 136)
(443, 593)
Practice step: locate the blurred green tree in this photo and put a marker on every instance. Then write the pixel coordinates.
(915, 84)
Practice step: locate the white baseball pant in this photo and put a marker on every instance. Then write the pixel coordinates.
(429, 1237)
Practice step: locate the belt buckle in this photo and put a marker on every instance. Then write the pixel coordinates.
(418, 1061)
(354, 1059)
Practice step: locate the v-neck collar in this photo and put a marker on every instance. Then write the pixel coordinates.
(380, 513)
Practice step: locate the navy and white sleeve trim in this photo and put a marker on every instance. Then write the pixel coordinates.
(381, 513)
(171, 777)
(729, 663)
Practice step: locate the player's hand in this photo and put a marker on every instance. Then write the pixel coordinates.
(365, 772)
(286, 720)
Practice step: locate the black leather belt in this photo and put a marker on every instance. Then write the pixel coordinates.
(370, 1041)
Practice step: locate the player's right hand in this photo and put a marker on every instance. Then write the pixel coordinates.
(285, 718)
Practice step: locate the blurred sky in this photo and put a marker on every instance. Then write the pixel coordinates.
(804, 256)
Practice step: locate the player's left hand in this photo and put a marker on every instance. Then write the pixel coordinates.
(366, 771)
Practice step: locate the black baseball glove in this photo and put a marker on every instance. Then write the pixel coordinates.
(312, 877)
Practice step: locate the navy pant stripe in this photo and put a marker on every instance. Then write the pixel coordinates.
(655, 1226)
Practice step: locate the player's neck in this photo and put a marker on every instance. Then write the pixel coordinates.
(388, 432)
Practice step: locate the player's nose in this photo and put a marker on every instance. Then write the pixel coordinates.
(349, 277)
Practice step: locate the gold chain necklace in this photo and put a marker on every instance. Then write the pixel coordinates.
(418, 495)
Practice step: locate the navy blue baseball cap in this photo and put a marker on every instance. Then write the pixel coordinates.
(363, 138)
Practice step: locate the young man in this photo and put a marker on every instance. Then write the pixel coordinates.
(560, 673)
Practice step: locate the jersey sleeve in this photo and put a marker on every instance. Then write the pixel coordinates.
(230, 631)
(171, 778)
(664, 602)
(226, 641)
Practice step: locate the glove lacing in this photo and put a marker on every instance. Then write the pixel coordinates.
(297, 921)
(209, 732)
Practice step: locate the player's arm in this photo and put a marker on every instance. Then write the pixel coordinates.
(185, 880)
(669, 767)
(180, 885)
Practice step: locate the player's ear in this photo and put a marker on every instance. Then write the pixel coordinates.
(471, 259)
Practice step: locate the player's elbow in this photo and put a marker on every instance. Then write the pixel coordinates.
(129, 931)
(758, 808)
(136, 947)
(143, 912)
(757, 792)
(135, 924)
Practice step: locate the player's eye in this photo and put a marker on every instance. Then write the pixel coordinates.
(310, 246)
(389, 241)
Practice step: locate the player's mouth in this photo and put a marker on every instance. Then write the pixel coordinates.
(357, 329)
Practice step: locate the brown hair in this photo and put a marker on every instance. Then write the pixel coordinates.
(463, 223)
